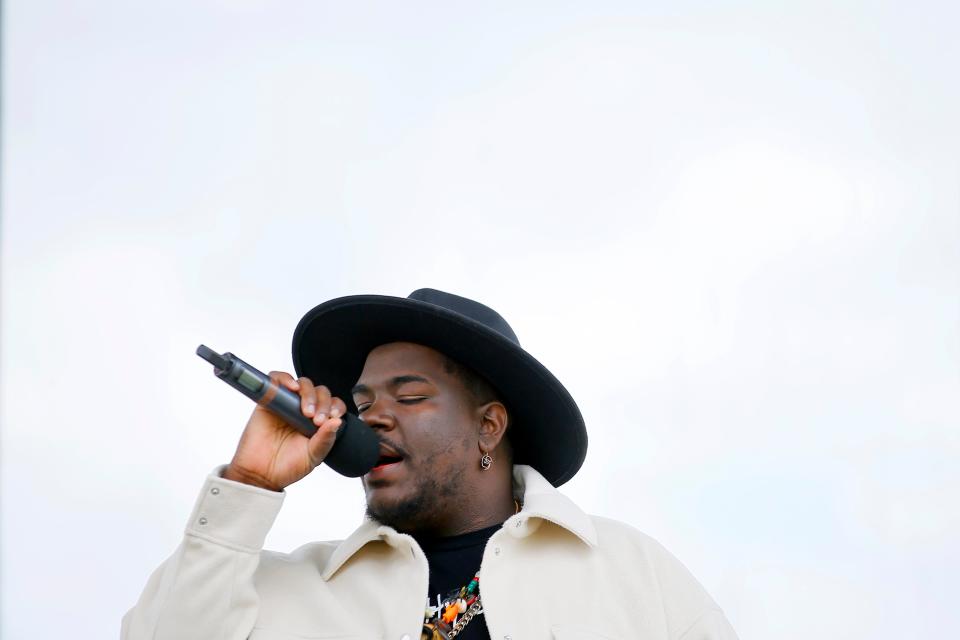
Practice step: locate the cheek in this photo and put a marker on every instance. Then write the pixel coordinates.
(438, 450)
(440, 441)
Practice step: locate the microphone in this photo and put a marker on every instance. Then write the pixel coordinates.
(357, 447)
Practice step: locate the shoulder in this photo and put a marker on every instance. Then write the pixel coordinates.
(311, 555)
(619, 537)
(619, 530)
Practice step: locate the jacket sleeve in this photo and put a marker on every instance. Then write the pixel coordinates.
(691, 614)
(205, 590)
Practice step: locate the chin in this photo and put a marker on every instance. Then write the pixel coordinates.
(416, 504)
(403, 514)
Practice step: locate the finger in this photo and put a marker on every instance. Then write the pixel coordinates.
(308, 397)
(285, 379)
(337, 407)
(322, 441)
(323, 404)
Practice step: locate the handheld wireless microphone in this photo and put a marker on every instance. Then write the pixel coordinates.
(357, 447)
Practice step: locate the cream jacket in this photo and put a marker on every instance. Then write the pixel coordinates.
(552, 571)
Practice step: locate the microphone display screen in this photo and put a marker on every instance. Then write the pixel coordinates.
(249, 381)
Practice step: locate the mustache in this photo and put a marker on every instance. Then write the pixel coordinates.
(396, 447)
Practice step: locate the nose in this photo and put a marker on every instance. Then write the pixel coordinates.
(378, 416)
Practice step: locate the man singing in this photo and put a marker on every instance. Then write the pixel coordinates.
(465, 533)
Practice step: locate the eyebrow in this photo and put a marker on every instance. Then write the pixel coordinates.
(393, 383)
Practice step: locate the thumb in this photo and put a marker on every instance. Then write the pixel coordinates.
(322, 441)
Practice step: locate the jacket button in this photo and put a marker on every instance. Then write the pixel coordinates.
(496, 551)
(405, 636)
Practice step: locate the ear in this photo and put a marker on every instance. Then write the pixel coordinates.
(493, 425)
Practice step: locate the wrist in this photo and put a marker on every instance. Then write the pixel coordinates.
(237, 474)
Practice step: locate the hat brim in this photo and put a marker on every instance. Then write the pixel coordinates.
(547, 432)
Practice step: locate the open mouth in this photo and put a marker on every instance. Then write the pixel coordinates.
(389, 456)
(386, 461)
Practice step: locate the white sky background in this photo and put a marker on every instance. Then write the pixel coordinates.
(734, 233)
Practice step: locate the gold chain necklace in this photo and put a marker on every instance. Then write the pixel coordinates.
(449, 617)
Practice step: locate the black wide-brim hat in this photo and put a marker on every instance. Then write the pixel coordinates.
(331, 343)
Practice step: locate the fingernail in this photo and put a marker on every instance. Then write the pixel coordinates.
(311, 408)
(335, 412)
(319, 418)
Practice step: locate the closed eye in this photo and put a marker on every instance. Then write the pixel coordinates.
(405, 400)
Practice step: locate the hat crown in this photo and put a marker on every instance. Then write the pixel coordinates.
(472, 309)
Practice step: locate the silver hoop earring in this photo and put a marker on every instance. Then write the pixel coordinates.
(486, 461)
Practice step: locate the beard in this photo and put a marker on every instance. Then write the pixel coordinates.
(425, 509)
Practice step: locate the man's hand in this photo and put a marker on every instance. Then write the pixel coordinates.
(272, 454)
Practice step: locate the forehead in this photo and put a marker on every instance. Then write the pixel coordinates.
(404, 357)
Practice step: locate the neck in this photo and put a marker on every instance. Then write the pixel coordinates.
(486, 509)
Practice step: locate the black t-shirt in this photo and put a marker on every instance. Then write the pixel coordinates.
(453, 562)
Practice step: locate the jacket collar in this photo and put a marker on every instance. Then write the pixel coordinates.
(541, 502)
